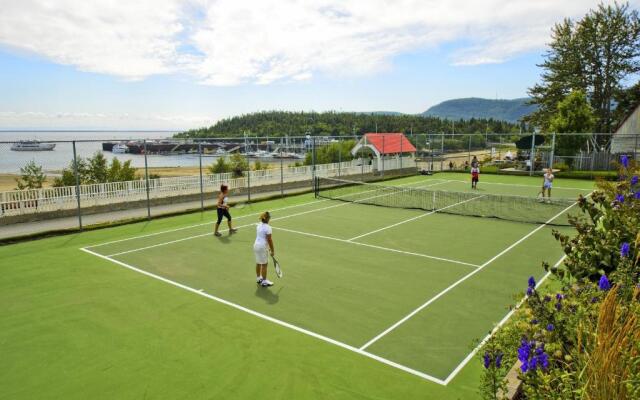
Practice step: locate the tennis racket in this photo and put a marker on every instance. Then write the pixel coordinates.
(276, 265)
(239, 206)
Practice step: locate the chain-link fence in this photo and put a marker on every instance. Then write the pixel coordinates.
(87, 182)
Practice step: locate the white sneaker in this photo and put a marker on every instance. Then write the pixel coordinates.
(266, 282)
(259, 280)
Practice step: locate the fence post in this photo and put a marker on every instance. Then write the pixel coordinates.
(401, 137)
(75, 173)
(635, 149)
(442, 153)
(364, 143)
(313, 164)
(383, 154)
(146, 178)
(553, 150)
(281, 177)
(201, 186)
(532, 159)
(249, 179)
(339, 159)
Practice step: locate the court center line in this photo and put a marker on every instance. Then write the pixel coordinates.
(242, 226)
(459, 281)
(414, 218)
(243, 216)
(497, 327)
(377, 247)
(271, 319)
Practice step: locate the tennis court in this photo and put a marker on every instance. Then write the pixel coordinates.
(375, 274)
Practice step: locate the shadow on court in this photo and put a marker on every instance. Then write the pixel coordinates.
(267, 295)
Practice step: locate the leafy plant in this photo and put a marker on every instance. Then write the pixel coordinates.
(31, 177)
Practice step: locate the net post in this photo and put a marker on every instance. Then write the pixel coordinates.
(201, 183)
(146, 179)
(75, 173)
(531, 156)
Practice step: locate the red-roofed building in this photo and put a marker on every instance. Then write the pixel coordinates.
(383, 144)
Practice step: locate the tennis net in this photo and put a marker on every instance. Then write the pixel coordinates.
(505, 207)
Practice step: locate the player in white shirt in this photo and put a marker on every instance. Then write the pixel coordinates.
(263, 243)
(547, 183)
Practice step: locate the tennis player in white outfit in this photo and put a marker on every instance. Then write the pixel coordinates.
(260, 246)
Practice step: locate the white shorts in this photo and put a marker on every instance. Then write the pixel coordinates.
(262, 256)
(547, 185)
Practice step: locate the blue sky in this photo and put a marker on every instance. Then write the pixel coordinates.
(193, 62)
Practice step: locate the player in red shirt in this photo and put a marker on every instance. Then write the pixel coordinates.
(475, 174)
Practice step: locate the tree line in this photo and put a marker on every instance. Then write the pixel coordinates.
(283, 123)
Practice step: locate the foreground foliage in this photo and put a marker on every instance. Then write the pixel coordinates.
(582, 342)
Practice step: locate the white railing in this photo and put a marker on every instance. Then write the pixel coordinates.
(64, 198)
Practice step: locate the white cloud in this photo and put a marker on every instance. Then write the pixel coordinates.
(231, 42)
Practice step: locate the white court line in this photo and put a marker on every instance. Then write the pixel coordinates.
(459, 281)
(378, 247)
(414, 218)
(245, 216)
(520, 185)
(274, 320)
(497, 327)
(242, 226)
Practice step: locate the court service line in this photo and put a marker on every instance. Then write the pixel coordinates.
(244, 216)
(271, 319)
(378, 247)
(497, 327)
(414, 218)
(242, 226)
(459, 281)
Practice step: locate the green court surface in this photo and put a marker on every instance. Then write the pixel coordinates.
(375, 302)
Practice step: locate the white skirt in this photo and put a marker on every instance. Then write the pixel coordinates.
(262, 256)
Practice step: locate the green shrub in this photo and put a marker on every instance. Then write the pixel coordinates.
(560, 166)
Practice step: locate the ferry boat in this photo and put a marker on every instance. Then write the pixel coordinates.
(32, 145)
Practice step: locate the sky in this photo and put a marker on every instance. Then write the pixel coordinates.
(180, 64)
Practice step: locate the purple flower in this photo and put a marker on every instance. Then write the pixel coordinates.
(534, 322)
(636, 195)
(499, 359)
(559, 296)
(624, 250)
(558, 306)
(634, 180)
(550, 327)
(624, 160)
(529, 291)
(524, 351)
(594, 300)
(604, 284)
(531, 282)
(543, 360)
(486, 360)
(620, 198)
(547, 298)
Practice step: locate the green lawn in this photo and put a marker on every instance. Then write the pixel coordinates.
(418, 295)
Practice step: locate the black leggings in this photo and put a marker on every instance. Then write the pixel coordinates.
(223, 212)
